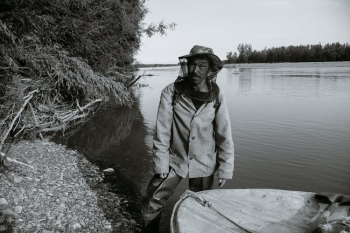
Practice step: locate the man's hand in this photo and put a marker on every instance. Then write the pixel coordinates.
(163, 175)
(222, 181)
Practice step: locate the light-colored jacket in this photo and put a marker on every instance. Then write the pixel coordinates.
(198, 142)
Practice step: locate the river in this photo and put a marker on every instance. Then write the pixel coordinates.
(290, 124)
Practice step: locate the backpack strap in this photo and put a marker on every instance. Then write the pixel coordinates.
(217, 102)
(175, 98)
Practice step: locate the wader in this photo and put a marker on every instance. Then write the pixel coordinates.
(159, 190)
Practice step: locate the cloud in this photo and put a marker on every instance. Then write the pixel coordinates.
(271, 35)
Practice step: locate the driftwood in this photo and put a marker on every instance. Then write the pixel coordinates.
(27, 99)
(67, 116)
(4, 157)
(45, 121)
(135, 80)
(35, 120)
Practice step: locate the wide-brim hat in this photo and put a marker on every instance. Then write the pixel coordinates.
(208, 52)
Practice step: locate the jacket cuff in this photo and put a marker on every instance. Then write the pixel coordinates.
(160, 162)
(225, 175)
(159, 170)
(160, 165)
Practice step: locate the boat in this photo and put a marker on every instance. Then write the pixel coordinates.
(260, 210)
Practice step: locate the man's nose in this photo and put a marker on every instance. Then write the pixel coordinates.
(196, 69)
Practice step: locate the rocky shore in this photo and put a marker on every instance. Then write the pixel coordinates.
(62, 192)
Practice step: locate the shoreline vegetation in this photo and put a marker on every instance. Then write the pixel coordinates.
(59, 61)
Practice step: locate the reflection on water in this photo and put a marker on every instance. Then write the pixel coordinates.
(103, 132)
(245, 81)
(115, 138)
(290, 125)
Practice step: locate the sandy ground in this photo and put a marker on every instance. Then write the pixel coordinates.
(63, 192)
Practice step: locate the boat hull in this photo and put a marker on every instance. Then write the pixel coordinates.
(257, 210)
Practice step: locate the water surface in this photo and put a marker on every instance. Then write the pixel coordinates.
(290, 125)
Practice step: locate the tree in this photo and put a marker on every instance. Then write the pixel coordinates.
(231, 58)
(104, 33)
(245, 51)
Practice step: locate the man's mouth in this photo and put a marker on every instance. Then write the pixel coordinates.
(195, 76)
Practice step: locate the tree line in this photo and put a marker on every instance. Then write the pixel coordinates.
(301, 53)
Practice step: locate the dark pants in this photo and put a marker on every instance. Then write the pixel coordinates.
(159, 191)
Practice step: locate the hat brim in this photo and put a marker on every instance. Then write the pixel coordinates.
(217, 63)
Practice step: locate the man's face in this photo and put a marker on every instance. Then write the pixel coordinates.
(198, 69)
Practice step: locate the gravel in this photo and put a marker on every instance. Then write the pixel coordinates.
(63, 193)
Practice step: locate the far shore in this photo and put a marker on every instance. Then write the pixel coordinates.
(291, 64)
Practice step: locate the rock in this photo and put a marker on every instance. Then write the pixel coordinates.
(82, 223)
(109, 170)
(10, 213)
(46, 231)
(132, 221)
(61, 207)
(18, 179)
(76, 226)
(58, 222)
(18, 209)
(3, 203)
(3, 228)
(10, 220)
(29, 226)
(35, 214)
(118, 224)
(108, 226)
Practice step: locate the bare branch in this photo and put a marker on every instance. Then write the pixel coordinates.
(27, 99)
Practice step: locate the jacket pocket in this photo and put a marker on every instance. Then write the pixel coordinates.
(211, 162)
(172, 156)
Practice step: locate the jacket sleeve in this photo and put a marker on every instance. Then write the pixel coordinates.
(223, 140)
(162, 137)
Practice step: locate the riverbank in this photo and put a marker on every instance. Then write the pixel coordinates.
(63, 192)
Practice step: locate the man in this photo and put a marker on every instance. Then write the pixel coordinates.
(193, 134)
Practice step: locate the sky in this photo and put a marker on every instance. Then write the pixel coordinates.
(224, 24)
